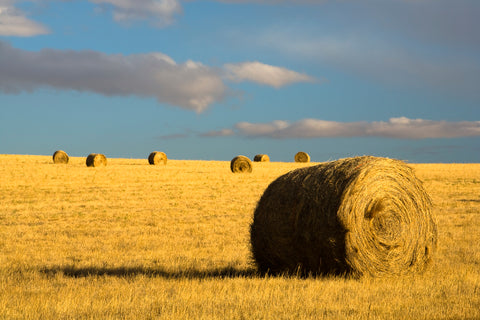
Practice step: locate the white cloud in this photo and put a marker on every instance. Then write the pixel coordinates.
(399, 128)
(159, 12)
(264, 74)
(13, 22)
(189, 85)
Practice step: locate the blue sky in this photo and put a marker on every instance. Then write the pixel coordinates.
(210, 80)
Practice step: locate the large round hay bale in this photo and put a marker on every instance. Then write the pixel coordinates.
(157, 157)
(261, 158)
(60, 156)
(241, 164)
(356, 216)
(96, 160)
(302, 157)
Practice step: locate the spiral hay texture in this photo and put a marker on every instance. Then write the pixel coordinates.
(96, 160)
(261, 158)
(157, 157)
(60, 156)
(241, 164)
(356, 216)
(302, 157)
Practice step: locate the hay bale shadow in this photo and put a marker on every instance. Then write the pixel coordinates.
(127, 272)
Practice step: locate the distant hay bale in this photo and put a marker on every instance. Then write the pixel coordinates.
(60, 156)
(241, 164)
(261, 158)
(302, 157)
(157, 157)
(96, 160)
(356, 216)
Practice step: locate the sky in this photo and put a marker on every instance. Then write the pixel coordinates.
(210, 80)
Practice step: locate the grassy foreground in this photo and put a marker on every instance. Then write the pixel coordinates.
(134, 241)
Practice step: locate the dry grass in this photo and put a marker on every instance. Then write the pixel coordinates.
(132, 240)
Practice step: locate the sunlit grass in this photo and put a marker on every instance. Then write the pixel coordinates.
(132, 240)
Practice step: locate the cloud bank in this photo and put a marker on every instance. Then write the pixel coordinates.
(13, 22)
(190, 85)
(398, 128)
(427, 44)
(384, 61)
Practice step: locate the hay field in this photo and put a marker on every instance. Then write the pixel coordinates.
(135, 241)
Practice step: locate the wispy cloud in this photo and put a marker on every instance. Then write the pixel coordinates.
(189, 85)
(398, 128)
(430, 20)
(427, 44)
(218, 133)
(174, 136)
(434, 150)
(383, 60)
(275, 1)
(264, 74)
(159, 12)
(13, 22)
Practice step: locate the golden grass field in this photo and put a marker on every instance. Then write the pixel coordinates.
(135, 241)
